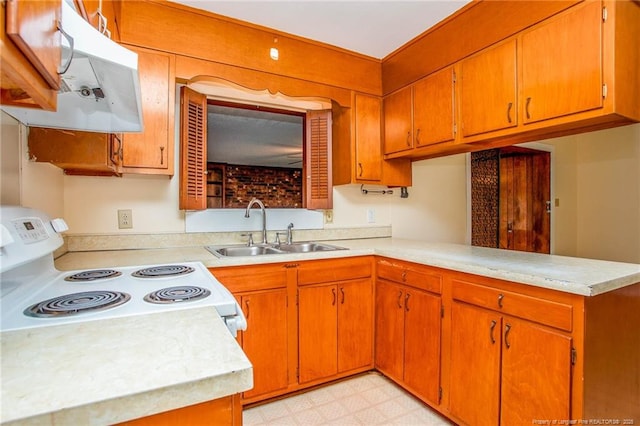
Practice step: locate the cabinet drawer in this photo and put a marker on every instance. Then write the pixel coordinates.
(324, 271)
(547, 312)
(239, 280)
(410, 275)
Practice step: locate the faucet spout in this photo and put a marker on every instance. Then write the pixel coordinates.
(264, 216)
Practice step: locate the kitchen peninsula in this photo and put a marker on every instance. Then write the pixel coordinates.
(588, 307)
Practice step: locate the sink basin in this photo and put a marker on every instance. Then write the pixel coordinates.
(243, 250)
(307, 247)
(260, 250)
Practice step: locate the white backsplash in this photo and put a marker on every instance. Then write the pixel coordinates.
(233, 220)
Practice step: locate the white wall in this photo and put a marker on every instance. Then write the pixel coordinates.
(596, 180)
(599, 213)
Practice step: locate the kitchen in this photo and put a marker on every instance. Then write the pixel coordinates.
(591, 171)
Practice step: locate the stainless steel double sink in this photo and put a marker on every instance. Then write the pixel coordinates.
(264, 249)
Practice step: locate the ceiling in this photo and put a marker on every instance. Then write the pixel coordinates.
(372, 28)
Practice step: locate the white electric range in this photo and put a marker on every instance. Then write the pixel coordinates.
(35, 294)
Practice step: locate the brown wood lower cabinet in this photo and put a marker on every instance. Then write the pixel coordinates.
(481, 351)
(335, 314)
(505, 370)
(408, 327)
(335, 326)
(266, 313)
(221, 411)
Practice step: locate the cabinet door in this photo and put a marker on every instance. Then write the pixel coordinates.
(389, 346)
(318, 332)
(536, 373)
(32, 26)
(488, 90)
(152, 150)
(265, 340)
(433, 108)
(422, 344)
(368, 131)
(397, 121)
(562, 64)
(355, 324)
(474, 387)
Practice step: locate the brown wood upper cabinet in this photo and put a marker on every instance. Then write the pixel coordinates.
(152, 151)
(488, 90)
(562, 65)
(420, 115)
(30, 54)
(357, 153)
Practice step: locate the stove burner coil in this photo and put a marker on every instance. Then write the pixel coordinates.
(93, 275)
(77, 303)
(177, 294)
(163, 271)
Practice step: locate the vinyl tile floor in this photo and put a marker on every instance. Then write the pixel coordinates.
(364, 400)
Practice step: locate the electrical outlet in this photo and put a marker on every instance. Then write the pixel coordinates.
(125, 219)
(371, 215)
(328, 216)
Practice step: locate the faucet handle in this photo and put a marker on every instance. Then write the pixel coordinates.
(250, 235)
(278, 242)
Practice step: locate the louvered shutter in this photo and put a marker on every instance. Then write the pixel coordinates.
(193, 150)
(319, 188)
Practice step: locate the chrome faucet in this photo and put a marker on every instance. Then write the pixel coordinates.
(264, 217)
(289, 236)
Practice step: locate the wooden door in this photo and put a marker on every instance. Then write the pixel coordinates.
(317, 332)
(488, 90)
(367, 133)
(422, 344)
(355, 324)
(536, 373)
(152, 150)
(397, 109)
(524, 201)
(562, 64)
(389, 345)
(474, 388)
(433, 108)
(265, 340)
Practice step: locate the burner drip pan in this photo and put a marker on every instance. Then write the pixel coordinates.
(177, 294)
(77, 303)
(93, 275)
(163, 271)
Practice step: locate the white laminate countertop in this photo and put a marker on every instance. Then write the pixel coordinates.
(586, 277)
(108, 371)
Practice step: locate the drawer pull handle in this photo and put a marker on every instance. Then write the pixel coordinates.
(409, 138)
(406, 302)
(418, 137)
(404, 276)
(500, 297)
(509, 112)
(335, 296)
(507, 329)
(493, 326)
(342, 292)
(527, 108)
(246, 303)
(399, 299)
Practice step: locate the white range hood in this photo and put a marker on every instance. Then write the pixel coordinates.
(100, 91)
